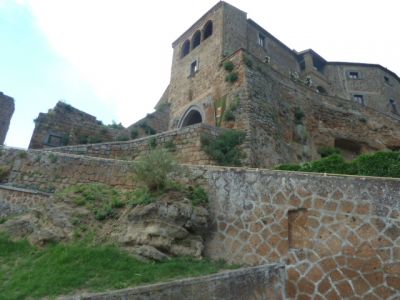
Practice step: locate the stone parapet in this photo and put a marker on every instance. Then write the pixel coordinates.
(262, 282)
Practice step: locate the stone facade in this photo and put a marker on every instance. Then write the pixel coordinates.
(264, 282)
(66, 125)
(6, 111)
(352, 106)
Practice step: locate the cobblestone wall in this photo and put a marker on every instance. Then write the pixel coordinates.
(6, 112)
(263, 282)
(338, 235)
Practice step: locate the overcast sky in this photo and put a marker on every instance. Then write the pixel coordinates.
(112, 58)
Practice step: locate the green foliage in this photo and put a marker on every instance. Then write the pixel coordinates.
(82, 139)
(31, 273)
(382, 164)
(140, 196)
(134, 134)
(22, 154)
(231, 77)
(4, 172)
(153, 169)
(53, 158)
(65, 139)
(229, 112)
(197, 195)
(103, 130)
(114, 125)
(327, 151)
(94, 139)
(298, 115)
(170, 146)
(224, 148)
(153, 143)
(100, 199)
(122, 138)
(228, 66)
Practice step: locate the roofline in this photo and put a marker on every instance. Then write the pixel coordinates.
(215, 7)
(299, 54)
(271, 36)
(365, 65)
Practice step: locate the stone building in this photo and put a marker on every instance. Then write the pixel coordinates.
(6, 111)
(228, 71)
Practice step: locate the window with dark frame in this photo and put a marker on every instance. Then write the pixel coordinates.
(185, 48)
(207, 30)
(261, 40)
(354, 75)
(359, 99)
(194, 68)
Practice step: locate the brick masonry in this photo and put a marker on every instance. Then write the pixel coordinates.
(7, 108)
(265, 282)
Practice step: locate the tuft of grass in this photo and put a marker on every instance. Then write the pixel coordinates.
(4, 172)
(29, 272)
(197, 195)
(228, 66)
(327, 151)
(231, 77)
(381, 164)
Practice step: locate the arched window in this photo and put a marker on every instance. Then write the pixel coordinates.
(207, 30)
(185, 48)
(196, 39)
(191, 117)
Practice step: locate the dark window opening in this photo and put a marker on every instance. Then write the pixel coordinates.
(318, 63)
(387, 80)
(193, 68)
(321, 90)
(193, 117)
(208, 30)
(359, 99)
(302, 65)
(354, 75)
(261, 40)
(298, 234)
(185, 48)
(196, 39)
(54, 140)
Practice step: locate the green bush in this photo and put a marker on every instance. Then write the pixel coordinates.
(122, 138)
(327, 151)
(153, 143)
(197, 195)
(140, 196)
(248, 61)
(153, 169)
(134, 134)
(170, 146)
(229, 112)
(298, 115)
(382, 164)
(224, 148)
(229, 66)
(231, 77)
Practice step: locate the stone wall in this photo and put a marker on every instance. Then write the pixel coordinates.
(184, 145)
(6, 111)
(290, 122)
(263, 282)
(47, 171)
(14, 201)
(338, 235)
(66, 125)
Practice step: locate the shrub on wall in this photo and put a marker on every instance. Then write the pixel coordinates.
(229, 66)
(382, 164)
(224, 149)
(231, 77)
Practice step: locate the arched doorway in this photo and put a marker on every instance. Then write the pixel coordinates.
(191, 117)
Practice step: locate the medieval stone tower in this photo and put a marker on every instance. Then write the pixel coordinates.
(6, 112)
(290, 104)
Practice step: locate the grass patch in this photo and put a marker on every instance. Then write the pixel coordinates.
(101, 199)
(28, 272)
(224, 148)
(381, 164)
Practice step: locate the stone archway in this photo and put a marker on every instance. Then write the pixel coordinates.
(192, 116)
